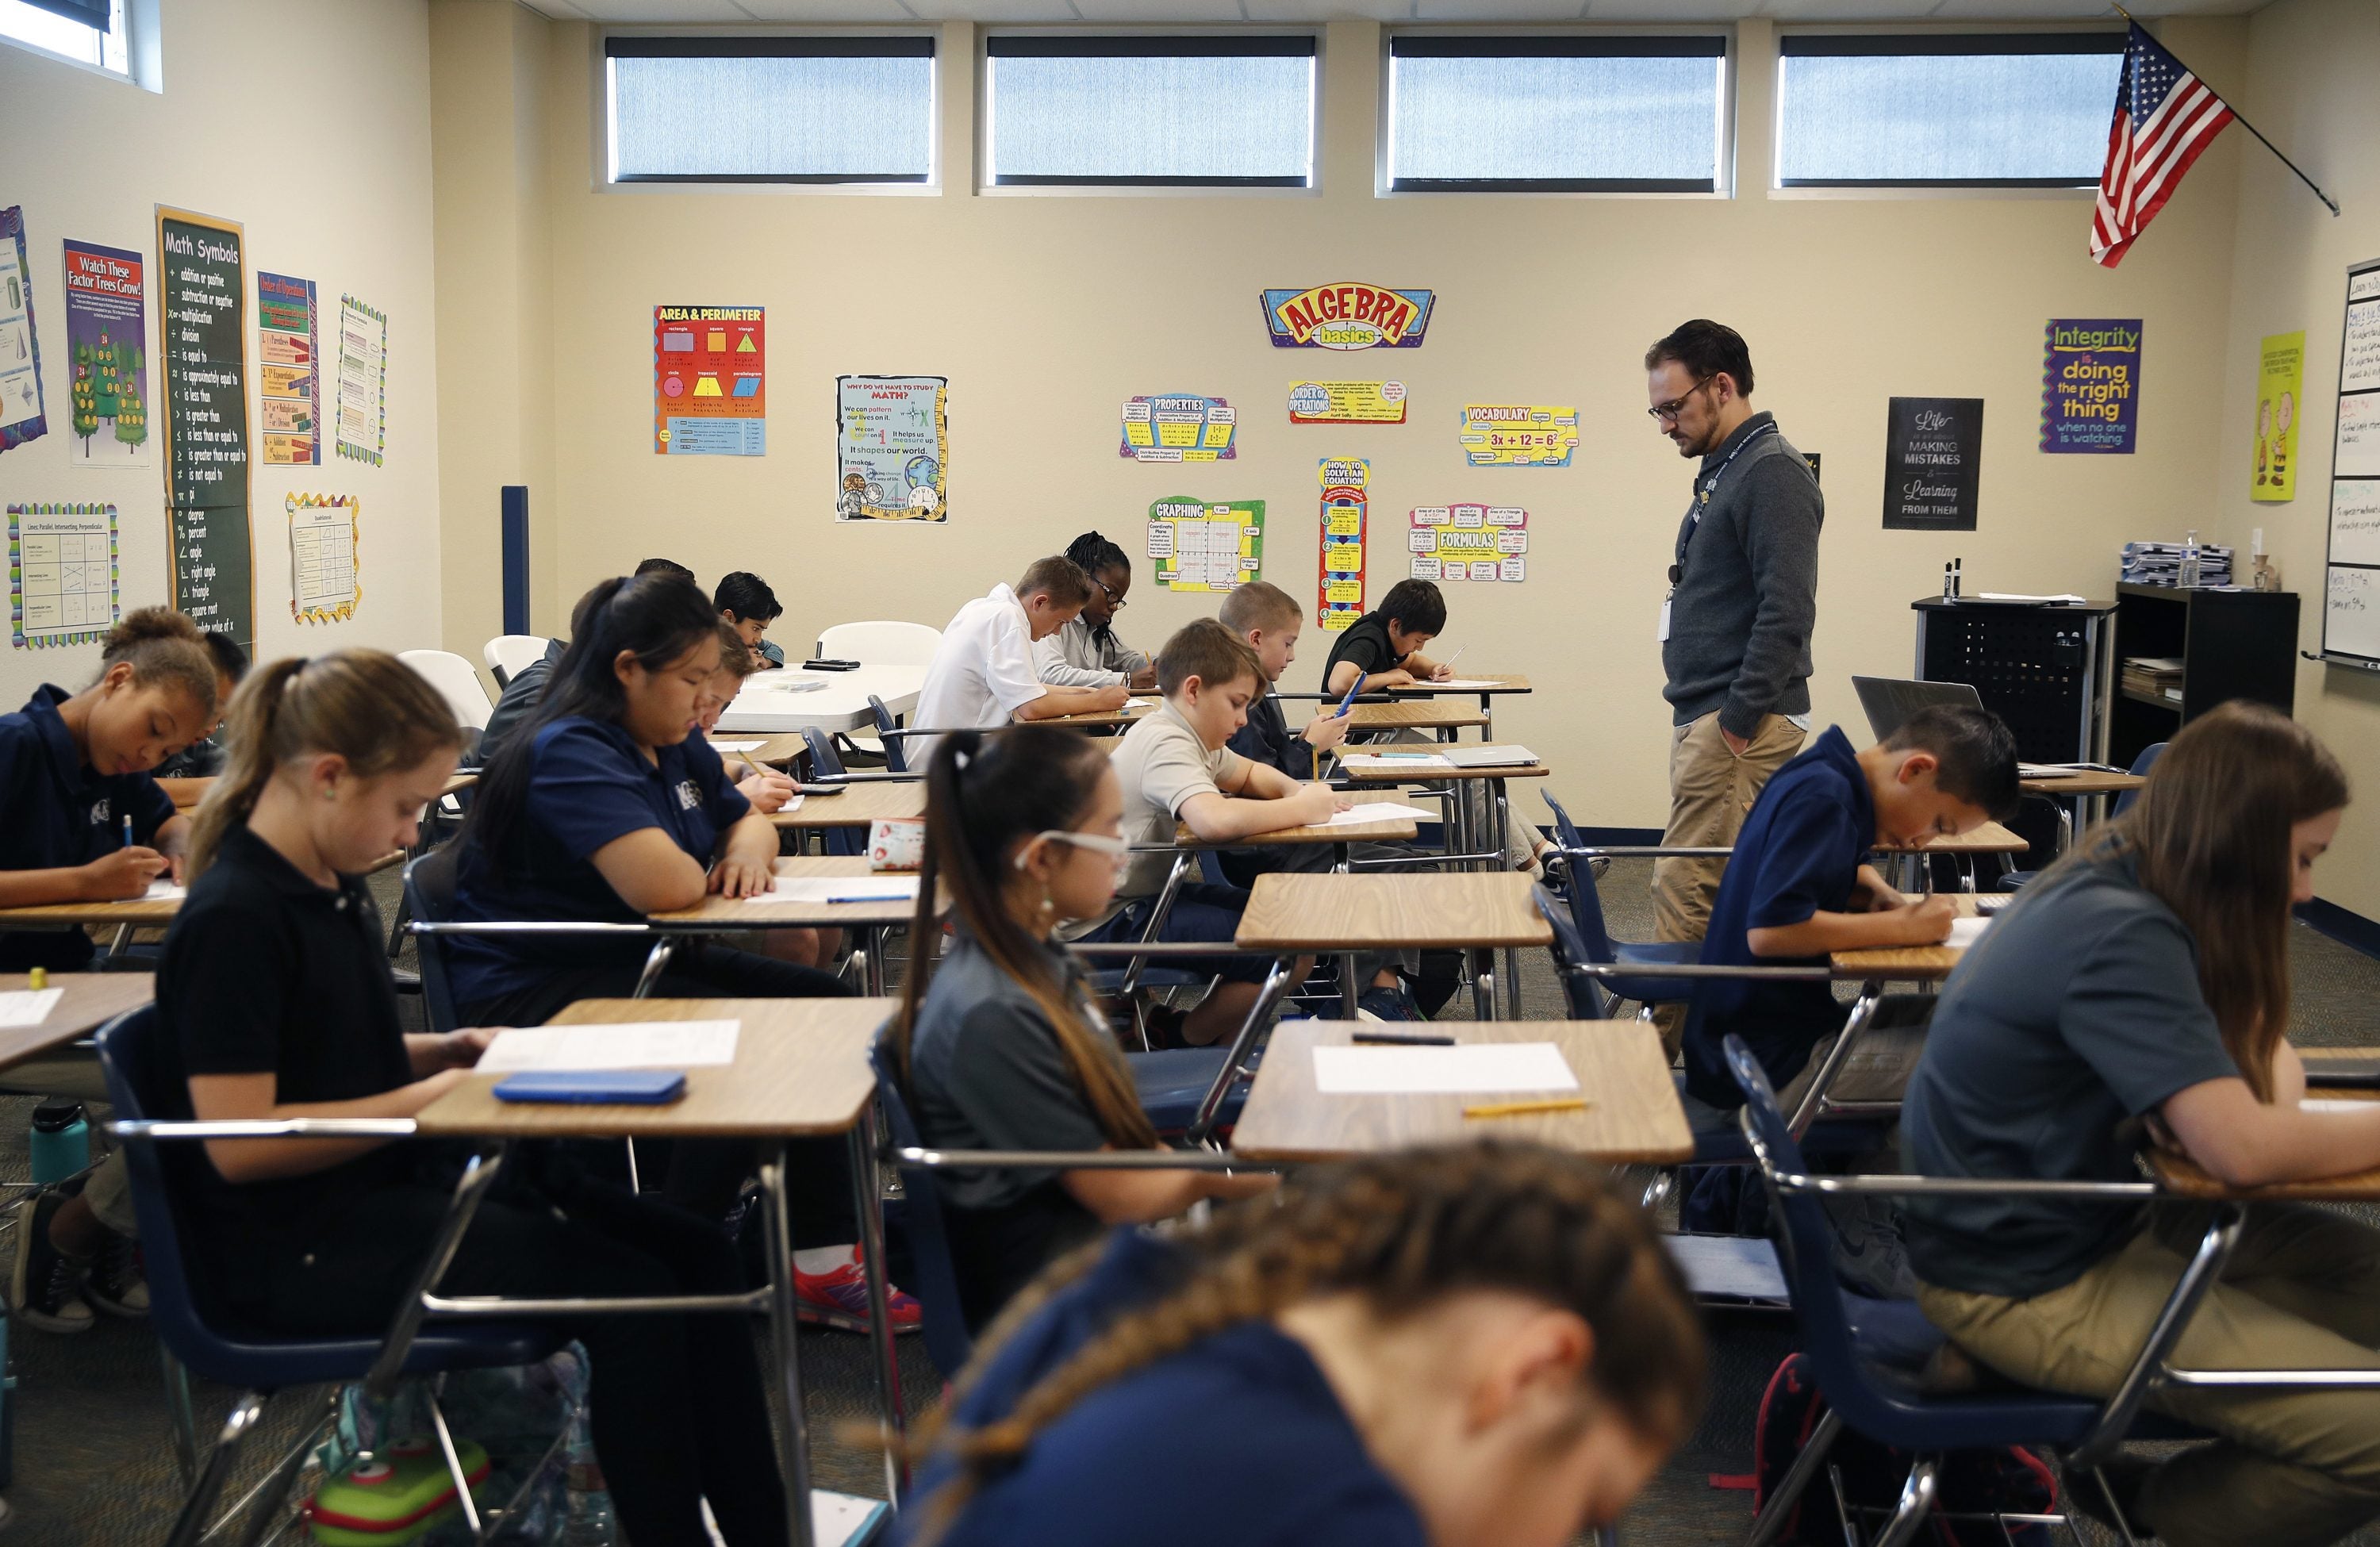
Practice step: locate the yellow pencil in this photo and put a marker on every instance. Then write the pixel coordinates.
(1524, 1109)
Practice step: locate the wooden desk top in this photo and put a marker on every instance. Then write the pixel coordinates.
(1431, 712)
(774, 751)
(2184, 1180)
(137, 911)
(91, 1001)
(1464, 910)
(1388, 830)
(1505, 682)
(2082, 784)
(858, 806)
(801, 1070)
(1426, 775)
(1990, 839)
(1106, 719)
(1632, 1115)
(736, 913)
(1908, 964)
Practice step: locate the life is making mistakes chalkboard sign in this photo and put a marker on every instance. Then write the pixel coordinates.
(1931, 451)
(203, 289)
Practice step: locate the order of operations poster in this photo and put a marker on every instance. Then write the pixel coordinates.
(710, 396)
(202, 330)
(892, 448)
(289, 377)
(107, 355)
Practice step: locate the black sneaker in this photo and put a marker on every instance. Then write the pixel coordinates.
(118, 1283)
(43, 1282)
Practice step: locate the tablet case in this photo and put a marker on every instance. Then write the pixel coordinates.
(635, 1087)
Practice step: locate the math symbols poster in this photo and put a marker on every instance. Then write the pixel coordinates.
(710, 396)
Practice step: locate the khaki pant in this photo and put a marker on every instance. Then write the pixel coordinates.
(2302, 1292)
(1711, 788)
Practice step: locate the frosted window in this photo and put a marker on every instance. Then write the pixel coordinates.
(1927, 118)
(1614, 122)
(833, 118)
(62, 34)
(1217, 120)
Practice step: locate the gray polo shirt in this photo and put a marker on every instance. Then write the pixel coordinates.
(1162, 764)
(1076, 657)
(2076, 1015)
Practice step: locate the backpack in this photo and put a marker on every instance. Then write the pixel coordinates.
(2009, 1480)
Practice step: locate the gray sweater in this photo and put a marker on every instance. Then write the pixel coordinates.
(1746, 597)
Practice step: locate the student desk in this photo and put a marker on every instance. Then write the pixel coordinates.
(1631, 1118)
(1423, 712)
(2178, 1175)
(801, 1071)
(122, 917)
(90, 1002)
(1990, 839)
(1106, 719)
(1873, 969)
(204, 784)
(2089, 787)
(862, 801)
(1500, 684)
(871, 918)
(1468, 911)
(765, 706)
(774, 751)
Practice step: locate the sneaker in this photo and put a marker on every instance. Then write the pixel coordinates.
(119, 1281)
(1387, 1003)
(840, 1300)
(43, 1284)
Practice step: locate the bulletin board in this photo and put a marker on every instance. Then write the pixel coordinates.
(1203, 545)
(1452, 542)
(2350, 615)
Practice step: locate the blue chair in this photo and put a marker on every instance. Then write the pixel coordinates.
(933, 1274)
(1595, 943)
(886, 729)
(430, 897)
(198, 1332)
(827, 763)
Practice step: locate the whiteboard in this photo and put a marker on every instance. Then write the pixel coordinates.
(2351, 616)
(2350, 613)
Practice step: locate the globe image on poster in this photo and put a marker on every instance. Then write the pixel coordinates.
(921, 470)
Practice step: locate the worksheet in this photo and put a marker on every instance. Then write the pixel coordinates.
(1466, 1069)
(818, 889)
(652, 1044)
(21, 1008)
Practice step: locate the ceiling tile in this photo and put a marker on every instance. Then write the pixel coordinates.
(826, 12)
(1699, 13)
(994, 12)
(1329, 10)
(2024, 10)
(1139, 13)
(1488, 11)
(663, 12)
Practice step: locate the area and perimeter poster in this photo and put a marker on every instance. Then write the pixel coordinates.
(107, 355)
(892, 448)
(710, 392)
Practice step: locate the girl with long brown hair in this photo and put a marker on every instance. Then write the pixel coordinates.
(1478, 1346)
(2141, 989)
(995, 1045)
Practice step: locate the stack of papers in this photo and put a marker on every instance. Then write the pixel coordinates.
(1462, 684)
(162, 890)
(820, 889)
(23, 1008)
(1384, 810)
(2160, 563)
(1393, 763)
(737, 745)
(1466, 1069)
(649, 1044)
(1966, 931)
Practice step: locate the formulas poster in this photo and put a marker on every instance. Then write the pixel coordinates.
(710, 375)
(892, 448)
(1203, 545)
(107, 355)
(201, 309)
(1469, 543)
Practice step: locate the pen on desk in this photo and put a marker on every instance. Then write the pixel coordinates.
(1524, 1109)
(1402, 1039)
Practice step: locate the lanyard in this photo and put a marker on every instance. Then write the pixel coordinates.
(1703, 497)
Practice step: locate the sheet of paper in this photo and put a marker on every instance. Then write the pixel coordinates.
(21, 1007)
(1510, 755)
(1463, 1071)
(1140, 703)
(2046, 771)
(1966, 931)
(2065, 597)
(162, 890)
(652, 1044)
(838, 1518)
(2334, 1105)
(1391, 762)
(817, 889)
(1474, 684)
(737, 745)
(1385, 811)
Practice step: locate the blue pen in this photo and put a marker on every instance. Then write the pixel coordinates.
(128, 832)
(1356, 687)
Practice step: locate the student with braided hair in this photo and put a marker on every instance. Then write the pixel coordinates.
(1478, 1346)
(1085, 653)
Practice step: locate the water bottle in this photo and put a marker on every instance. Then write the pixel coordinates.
(2190, 564)
(60, 1141)
(587, 1503)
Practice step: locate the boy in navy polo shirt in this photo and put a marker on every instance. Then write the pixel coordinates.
(1795, 889)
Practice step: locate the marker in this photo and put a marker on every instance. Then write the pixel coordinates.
(128, 831)
(1402, 1039)
(1344, 703)
(1524, 1109)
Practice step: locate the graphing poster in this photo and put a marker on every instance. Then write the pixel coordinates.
(363, 382)
(325, 577)
(1347, 317)
(1519, 434)
(710, 396)
(1199, 545)
(1346, 501)
(2089, 384)
(289, 377)
(1469, 543)
(1178, 427)
(20, 355)
(1931, 454)
(1346, 402)
(201, 331)
(62, 573)
(2281, 385)
(892, 448)
(107, 353)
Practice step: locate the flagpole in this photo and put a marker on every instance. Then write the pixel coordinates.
(2252, 129)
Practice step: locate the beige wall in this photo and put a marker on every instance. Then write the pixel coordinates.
(304, 121)
(2309, 89)
(1046, 312)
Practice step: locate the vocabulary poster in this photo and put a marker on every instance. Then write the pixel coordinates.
(710, 395)
(1519, 434)
(2089, 384)
(289, 385)
(107, 353)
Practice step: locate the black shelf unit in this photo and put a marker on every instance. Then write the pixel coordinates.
(2232, 644)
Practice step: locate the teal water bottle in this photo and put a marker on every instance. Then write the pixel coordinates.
(60, 1141)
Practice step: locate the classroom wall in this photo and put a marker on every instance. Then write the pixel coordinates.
(305, 121)
(1047, 311)
(2309, 89)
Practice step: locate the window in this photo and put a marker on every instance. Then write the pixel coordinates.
(1980, 110)
(86, 31)
(1555, 114)
(1143, 110)
(771, 110)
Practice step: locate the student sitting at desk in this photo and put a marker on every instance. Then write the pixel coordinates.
(519, 699)
(1086, 652)
(2141, 988)
(1002, 1052)
(274, 1000)
(982, 674)
(1472, 1346)
(1175, 766)
(767, 789)
(748, 606)
(185, 776)
(1384, 645)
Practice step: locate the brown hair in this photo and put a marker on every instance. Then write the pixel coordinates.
(365, 705)
(1209, 651)
(735, 655)
(983, 795)
(1259, 604)
(1404, 1230)
(1058, 578)
(165, 650)
(2211, 834)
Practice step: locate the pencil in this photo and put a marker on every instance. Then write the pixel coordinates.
(1524, 1109)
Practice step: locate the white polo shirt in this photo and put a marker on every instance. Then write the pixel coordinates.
(981, 673)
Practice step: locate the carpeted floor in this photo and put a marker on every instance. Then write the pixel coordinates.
(93, 1463)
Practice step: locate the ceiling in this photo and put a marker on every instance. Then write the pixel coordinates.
(1211, 12)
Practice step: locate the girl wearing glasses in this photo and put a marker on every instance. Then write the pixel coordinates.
(1085, 653)
(1000, 1049)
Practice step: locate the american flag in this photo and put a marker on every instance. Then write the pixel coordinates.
(2164, 116)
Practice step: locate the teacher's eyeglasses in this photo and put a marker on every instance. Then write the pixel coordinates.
(1670, 410)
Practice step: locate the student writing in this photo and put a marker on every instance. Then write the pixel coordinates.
(1384, 645)
(184, 775)
(982, 674)
(1085, 651)
(767, 791)
(519, 699)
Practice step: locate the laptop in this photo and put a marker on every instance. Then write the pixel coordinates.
(1890, 701)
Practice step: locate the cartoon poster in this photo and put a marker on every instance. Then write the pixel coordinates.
(289, 385)
(107, 355)
(710, 392)
(892, 448)
(1203, 546)
(1178, 427)
(1519, 434)
(2089, 384)
(2280, 386)
(325, 534)
(1347, 402)
(1451, 543)
(363, 382)
(20, 356)
(1347, 317)
(1339, 591)
(62, 573)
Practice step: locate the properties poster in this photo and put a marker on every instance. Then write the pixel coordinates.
(1178, 427)
(2089, 384)
(710, 392)
(1203, 545)
(892, 448)
(62, 573)
(2280, 383)
(288, 385)
(107, 350)
(1339, 591)
(1932, 454)
(363, 382)
(1519, 434)
(20, 356)
(202, 330)
(1469, 543)
(325, 532)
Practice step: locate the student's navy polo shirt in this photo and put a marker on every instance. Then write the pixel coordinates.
(62, 812)
(1798, 855)
(589, 785)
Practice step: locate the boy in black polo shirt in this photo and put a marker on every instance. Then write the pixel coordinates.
(1385, 643)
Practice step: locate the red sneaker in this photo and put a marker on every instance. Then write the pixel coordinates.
(840, 1300)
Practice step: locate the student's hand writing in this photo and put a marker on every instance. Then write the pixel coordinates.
(1326, 730)
(1145, 681)
(121, 874)
(767, 791)
(1109, 699)
(1928, 919)
(461, 1048)
(1442, 672)
(1312, 805)
(736, 877)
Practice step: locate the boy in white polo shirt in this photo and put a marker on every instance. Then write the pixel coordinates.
(982, 674)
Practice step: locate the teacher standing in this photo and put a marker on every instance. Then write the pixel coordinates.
(1736, 624)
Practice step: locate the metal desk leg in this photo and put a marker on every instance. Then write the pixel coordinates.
(867, 1193)
(1854, 1024)
(1211, 1105)
(656, 963)
(872, 973)
(479, 1175)
(793, 1450)
(1498, 795)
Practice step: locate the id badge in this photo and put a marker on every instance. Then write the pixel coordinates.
(1663, 637)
